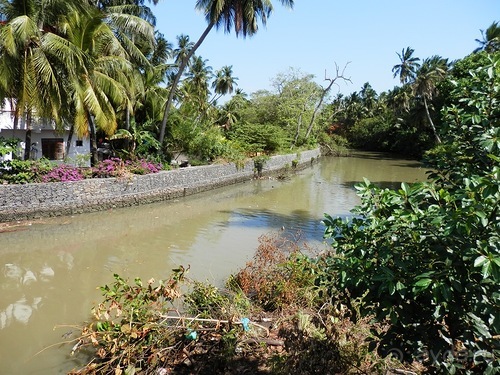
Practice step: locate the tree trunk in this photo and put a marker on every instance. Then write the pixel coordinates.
(93, 141)
(70, 138)
(27, 139)
(299, 124)
(323, 94)
(127, 119)
(16, 114)
(438, 140)
(177, 78)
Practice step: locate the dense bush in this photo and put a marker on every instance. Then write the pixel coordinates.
(24, 171)
(373, 134)
(259, 137)
(426, 258)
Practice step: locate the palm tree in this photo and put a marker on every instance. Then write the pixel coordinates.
(228, 114)
(224, 82)
(407, 67)
(198, 76)
(491, 39)
(150, 101)
(368, 97)
(242, 15)
(195, 89)
(132, 23)
(28, 73)
(432, 71)
(184, 45)
(98, 84)
(399, 99)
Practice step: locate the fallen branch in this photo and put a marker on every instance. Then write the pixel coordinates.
(216, 321)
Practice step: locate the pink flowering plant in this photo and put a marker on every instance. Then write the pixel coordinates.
(113, 167)
(143, 166)
(63, 173)
(43, 170)
(116, 167)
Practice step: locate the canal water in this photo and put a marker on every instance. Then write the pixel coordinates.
(51, 269)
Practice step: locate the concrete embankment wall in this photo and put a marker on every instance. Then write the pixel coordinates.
(32, 201)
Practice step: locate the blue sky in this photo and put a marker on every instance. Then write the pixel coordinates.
(316, 34)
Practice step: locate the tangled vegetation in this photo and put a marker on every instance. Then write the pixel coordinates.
(181, 326)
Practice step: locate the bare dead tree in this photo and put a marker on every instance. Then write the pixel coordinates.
(333, 81)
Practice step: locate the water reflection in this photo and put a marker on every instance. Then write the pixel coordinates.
(299, 221)
(52, 268)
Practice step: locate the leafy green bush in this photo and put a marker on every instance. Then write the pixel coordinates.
(210, 145)
(259, 137)
(333, 145)
(25, 171)
(426, 257)
(373, 134)
(8, 145)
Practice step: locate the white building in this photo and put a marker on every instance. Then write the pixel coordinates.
(45, 141)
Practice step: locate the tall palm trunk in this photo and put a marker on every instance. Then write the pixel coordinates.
(127, 119)
(70, 138)
(27, 139)
(177, 78)
(438, 140)
(93, 141)
(14, 108)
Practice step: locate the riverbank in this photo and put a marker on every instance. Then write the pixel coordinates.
(41, 200)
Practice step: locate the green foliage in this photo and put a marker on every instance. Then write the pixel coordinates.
(426, 258)
(139, 142)
(211, 145)
(207, 301)
(333, 145)
(373, 134)
(289, 107)
(259, 138)
(25, 171)
(411, 140)
(8, 145)
(259, 162)
(137, 328)
(472, 126)
(204, 144)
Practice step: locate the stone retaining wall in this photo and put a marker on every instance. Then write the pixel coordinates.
(32, 201)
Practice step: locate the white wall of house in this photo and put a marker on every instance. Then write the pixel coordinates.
(45, 141)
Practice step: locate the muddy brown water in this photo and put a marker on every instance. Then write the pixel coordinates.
(51, 269)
